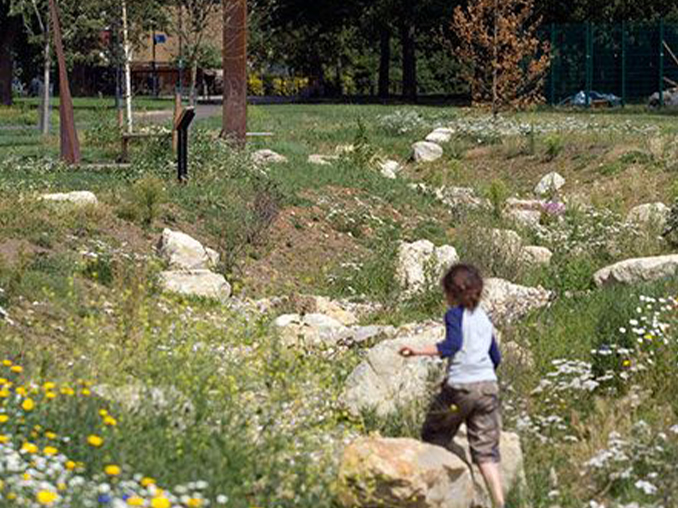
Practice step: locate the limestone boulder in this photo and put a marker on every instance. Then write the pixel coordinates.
(638, 270)
(440, 135)
(183, 252)
(199, 283)
(390, 168)
(266, 156)
(76, 198)
(533, 255)
(421, 264)
(649, 214)
(385, 380)
(425, 151)
(506, 302)
(549, 184)
(322, 160)
(407, 473)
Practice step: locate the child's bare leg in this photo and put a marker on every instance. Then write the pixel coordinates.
(492, 475)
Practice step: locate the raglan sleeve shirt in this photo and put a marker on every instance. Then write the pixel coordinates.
(454, 337)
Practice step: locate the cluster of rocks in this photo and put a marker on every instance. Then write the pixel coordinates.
(75, 198)
(266, 156)
(190, 266)
(430, 149)
(421, 264)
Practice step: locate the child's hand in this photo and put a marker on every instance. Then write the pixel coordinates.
(406, 351)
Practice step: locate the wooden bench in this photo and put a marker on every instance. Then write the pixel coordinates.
(128, 137)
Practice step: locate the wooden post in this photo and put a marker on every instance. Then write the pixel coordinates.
(234, 116)
(70, 147)
(178, 109)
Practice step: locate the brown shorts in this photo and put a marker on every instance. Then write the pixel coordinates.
(477, 405)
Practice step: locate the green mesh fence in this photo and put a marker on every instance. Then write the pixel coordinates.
(630, 61)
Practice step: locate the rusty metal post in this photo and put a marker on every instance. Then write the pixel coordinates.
(234, 118)
(70, 147)
(178, 109)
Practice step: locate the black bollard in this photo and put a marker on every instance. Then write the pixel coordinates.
(182, 124)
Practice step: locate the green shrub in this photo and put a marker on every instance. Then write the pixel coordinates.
(553, 147)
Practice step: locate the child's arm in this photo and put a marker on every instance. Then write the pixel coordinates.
(431, 350)
(495, 354)
(448, 347)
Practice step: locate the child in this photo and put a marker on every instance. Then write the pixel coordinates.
(470, 393)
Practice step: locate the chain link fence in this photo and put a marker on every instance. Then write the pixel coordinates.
(630, 61)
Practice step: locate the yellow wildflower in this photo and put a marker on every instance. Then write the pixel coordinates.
(28, 405)
(4, 394)
(11, 496)
(46, 497)
(109, 420)
(194, 502)
(7, 363)
(3, 381)
(17, 369)
(29, 448)
(26, 477)
(70, 465)
(67, 390)
(626, 363)
(62, 486)
(50, 450)
(50, 435)
(95, 440)
(50, 395)
(49, 386)
(103, 413)
(86, 392)
(4, 438)
(4, 418)
(160, 502)
(146, 481)
(135, 501)
(112, 470)
(21, 391)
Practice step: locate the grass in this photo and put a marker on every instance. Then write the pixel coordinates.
(266, 424)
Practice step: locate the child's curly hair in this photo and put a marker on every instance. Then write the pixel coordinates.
(464, 284)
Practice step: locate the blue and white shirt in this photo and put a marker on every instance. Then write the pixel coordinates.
(470, 346)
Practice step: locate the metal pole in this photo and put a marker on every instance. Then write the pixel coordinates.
(70, 147)
(553, 64)
(234, 115)
(155, 69)
(623, 38)
(589, 63)
(661, 63)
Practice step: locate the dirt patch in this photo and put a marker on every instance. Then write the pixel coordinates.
(12, 250)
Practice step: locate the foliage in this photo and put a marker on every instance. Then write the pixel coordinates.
(505, 61)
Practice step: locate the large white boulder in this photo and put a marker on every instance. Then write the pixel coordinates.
(440, 135)
(183, 252)
(390, 168)
(385, 380)
(506, 302)
(549, 184)
(201, 283)
(76, 198)
(638, 270)
(266, 156)
(425, 151)
(406, 473)
(649, 214)
(421, 264)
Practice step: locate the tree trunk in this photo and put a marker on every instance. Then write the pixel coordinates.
(409, 60)
(47, 62)
(7, 37)
(384, 61)
(194, 81)
(234, 115)
(495, 63)
(128, 70)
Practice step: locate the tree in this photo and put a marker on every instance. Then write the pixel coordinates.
(505, 62)
(190, 22)
(10, 27)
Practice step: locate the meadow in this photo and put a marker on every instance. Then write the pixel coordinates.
(117, 393)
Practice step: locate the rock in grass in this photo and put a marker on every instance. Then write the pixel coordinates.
(403, 472)
(76, 198)
(323, 160)
(421, 264)
(385, 380)
(390, 168)
(440, 135)
(407, 473)
(649, 214)
(505, 302)
(525, 218)
(549, 184)
(425, 151)
(183, 252)
(533, 255)
(266, 156)
(638, 270)
(200, 283)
